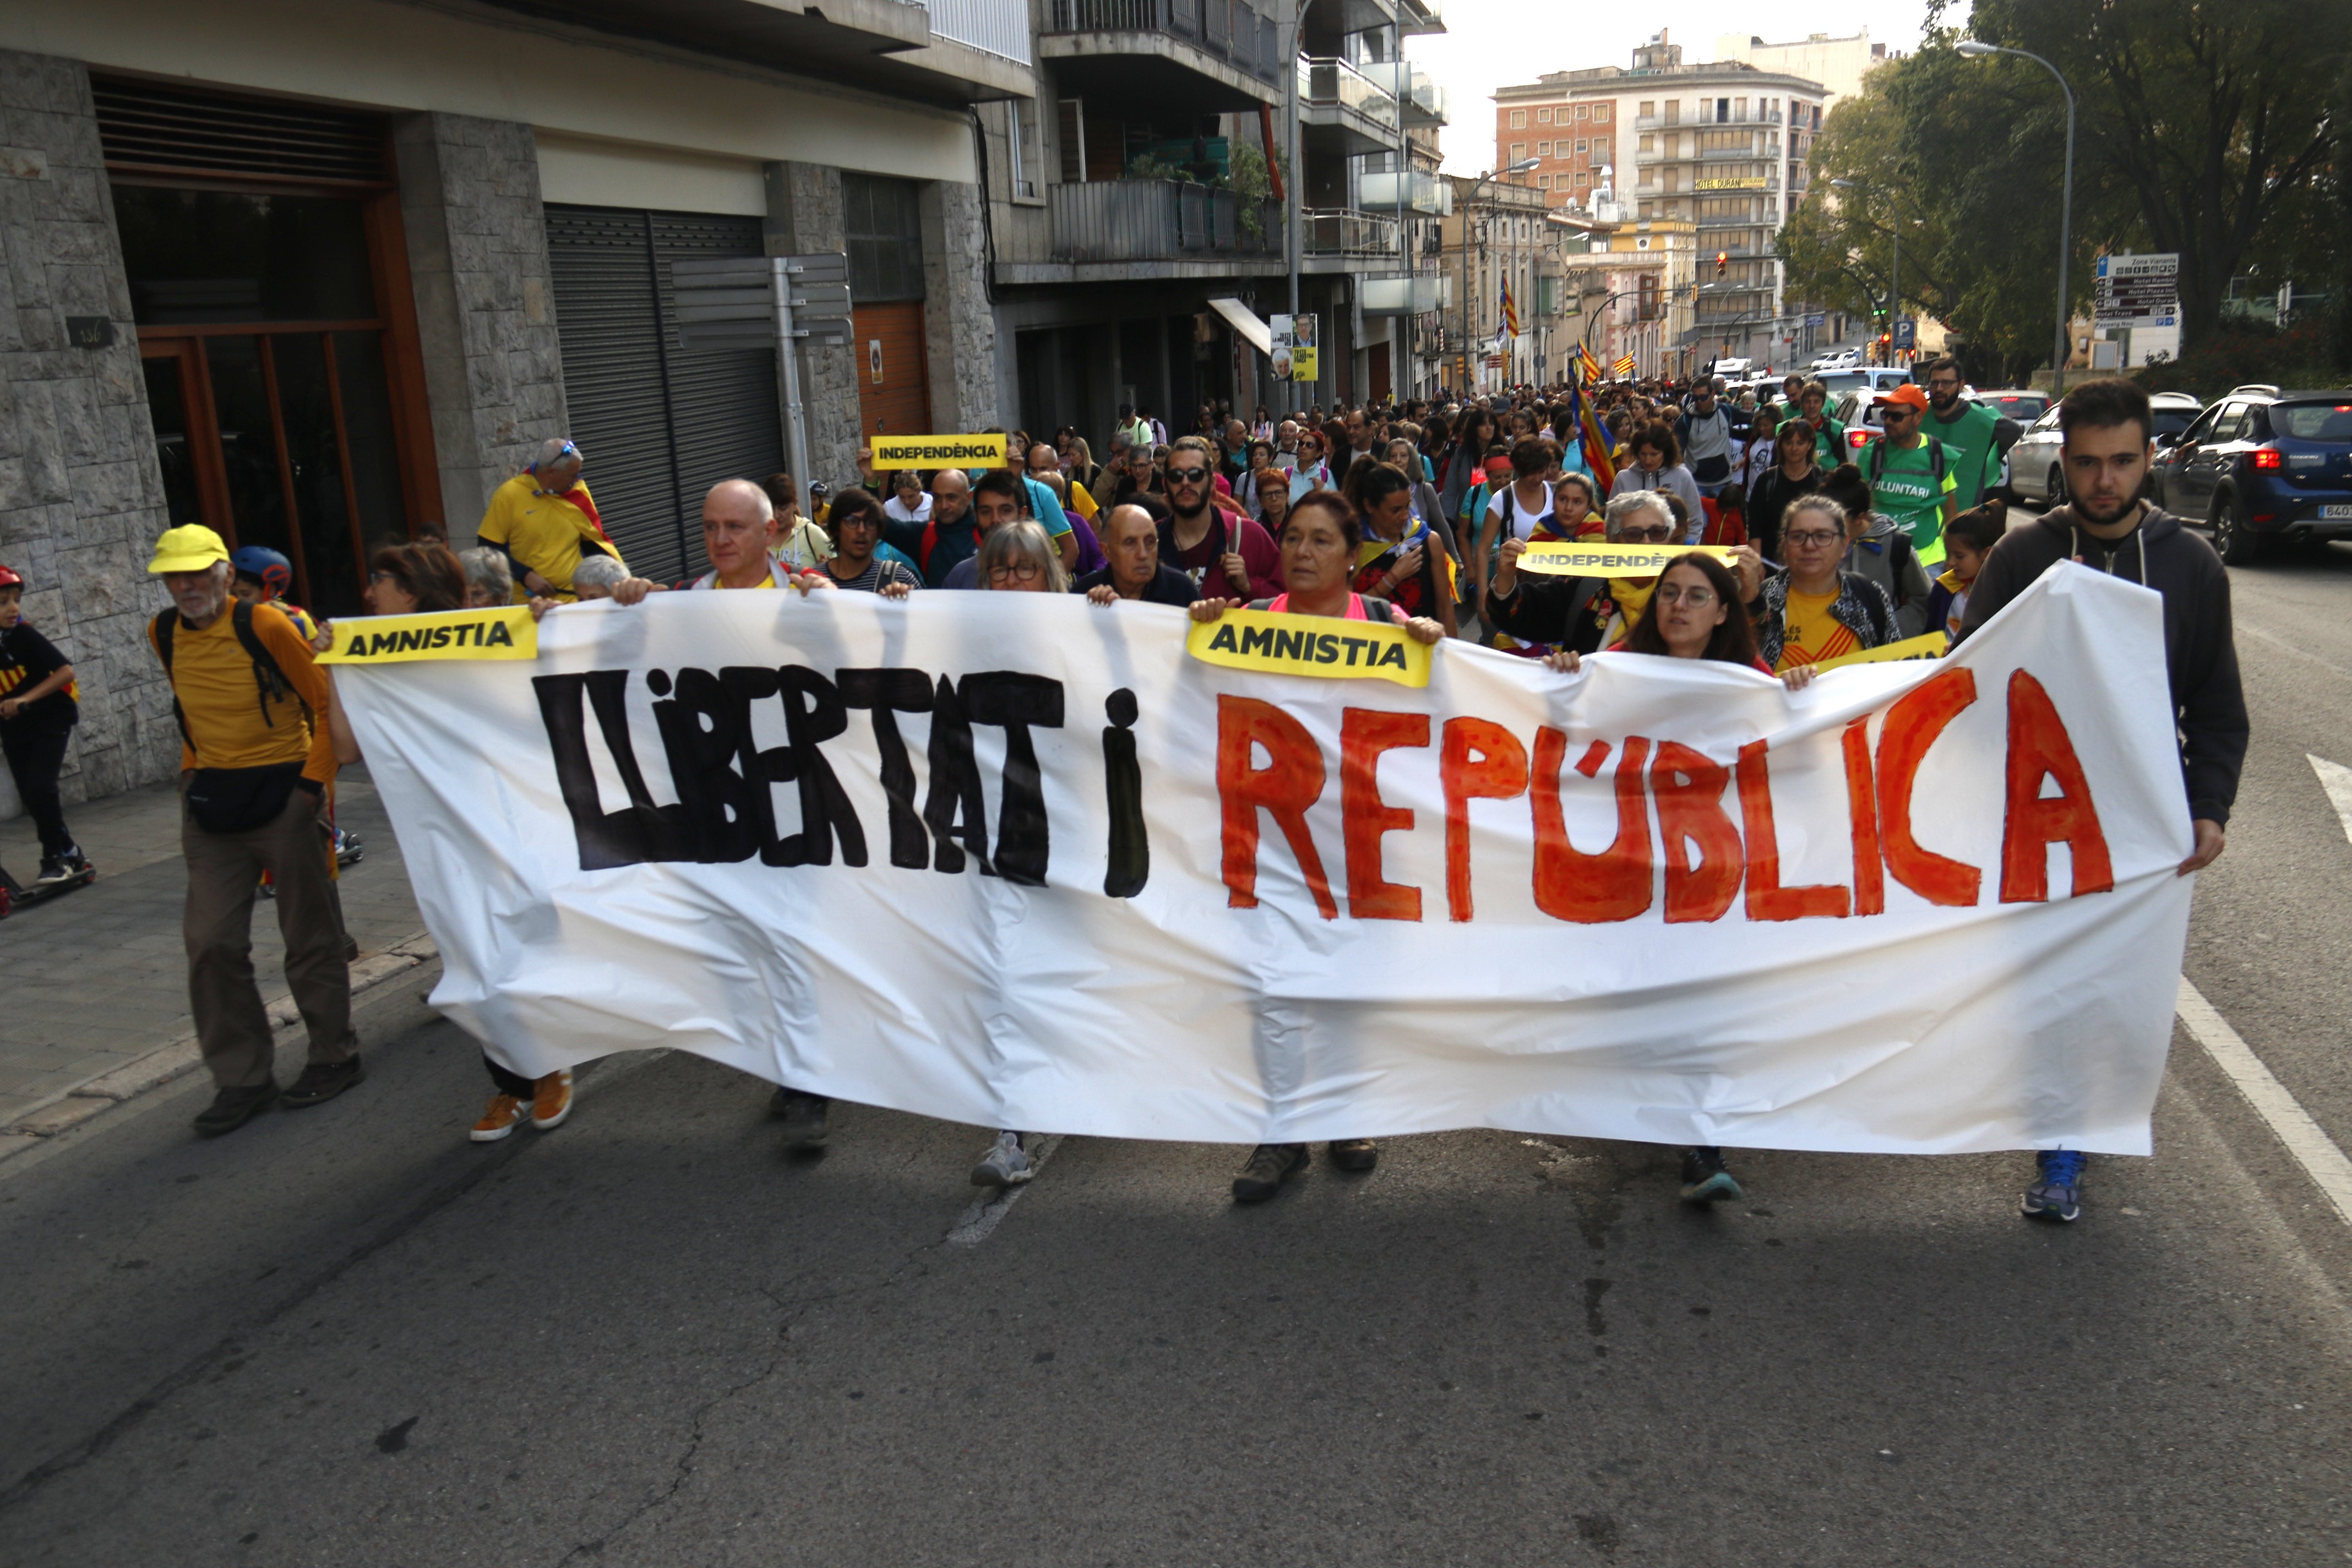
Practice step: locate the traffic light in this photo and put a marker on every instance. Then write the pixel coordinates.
(1885, 339)
(1722, 265)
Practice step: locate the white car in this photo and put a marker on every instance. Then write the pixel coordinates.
(1873, 377)
(2034, 473)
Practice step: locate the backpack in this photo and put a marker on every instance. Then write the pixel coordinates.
(1877, 467)
(267, 676)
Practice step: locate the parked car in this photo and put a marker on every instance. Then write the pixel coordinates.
(1857, 410)
(2013, 403)
(1876, 377)
(2262, 466)
(2034, 473)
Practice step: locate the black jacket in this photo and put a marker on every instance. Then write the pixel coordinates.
(1767, 498)
(1567, 612)
(2199, 653)
(1167, 586)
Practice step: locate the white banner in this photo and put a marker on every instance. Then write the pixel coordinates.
(1020, 862)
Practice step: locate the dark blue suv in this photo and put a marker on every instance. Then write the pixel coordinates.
(2260, 464)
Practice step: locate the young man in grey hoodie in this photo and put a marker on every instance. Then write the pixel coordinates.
(2106, 447)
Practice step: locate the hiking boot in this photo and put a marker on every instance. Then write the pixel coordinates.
(1354, 1154)
(2059, 1194)
(503, 1115)
(1270, 1165)
(233, 1108)
(1006, 1164)
(1705, 1181)
(551, 1100)
(321, 1081)
(803, 1117)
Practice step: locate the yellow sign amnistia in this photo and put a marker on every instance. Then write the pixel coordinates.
(505, 632)
(1926, 645)
(1561, 559)
(1322, 646)
(939, 451)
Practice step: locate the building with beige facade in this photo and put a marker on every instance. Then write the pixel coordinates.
(1722, 146)
(1838, 64)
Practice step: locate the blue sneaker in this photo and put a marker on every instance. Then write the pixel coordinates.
(2057, 1196)
(1705, 1181)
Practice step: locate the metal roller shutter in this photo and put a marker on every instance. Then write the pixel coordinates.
(659, 425)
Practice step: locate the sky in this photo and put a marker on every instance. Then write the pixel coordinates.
(1492, 43)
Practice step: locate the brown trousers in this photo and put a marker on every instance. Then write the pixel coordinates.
(224, 871)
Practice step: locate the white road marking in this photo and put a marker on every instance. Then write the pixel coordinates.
(2317, 1153)
(2292, 651)
(981, 1217)
(2337, 780)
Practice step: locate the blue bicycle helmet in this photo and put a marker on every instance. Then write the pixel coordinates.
(273, 571)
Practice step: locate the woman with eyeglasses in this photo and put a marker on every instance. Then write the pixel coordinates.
(1539, 614)
(1696, 611)
(1814, 609)
(1016, 557)
(1320, 541)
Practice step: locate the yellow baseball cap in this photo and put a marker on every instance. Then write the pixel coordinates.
(189, 548)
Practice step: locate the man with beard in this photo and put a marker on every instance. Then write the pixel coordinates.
(1969, 432)
(2106, 447)
(1225, 555)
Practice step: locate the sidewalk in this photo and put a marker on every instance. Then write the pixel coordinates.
(96, 982)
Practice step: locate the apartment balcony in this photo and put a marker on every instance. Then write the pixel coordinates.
(1771, 151)
(1409, 295)
(1415, 90)
(960, 52)
(1156, 220)
(1343, 109)
(1658, 123)
(1420, 18)
(1178, 56)
(1424, 193)
(1344, 232)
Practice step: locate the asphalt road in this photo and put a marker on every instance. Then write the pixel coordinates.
(347, 1336)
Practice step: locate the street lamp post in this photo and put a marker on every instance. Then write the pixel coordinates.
(1976, 49)
(1521, 167)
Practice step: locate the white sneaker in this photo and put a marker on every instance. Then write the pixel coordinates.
(1004, 1165)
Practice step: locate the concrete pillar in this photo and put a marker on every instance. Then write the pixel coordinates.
(476, 237)
(81, 494)
(805, 217)
(957, 321)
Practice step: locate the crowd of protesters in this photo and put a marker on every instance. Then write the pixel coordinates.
(1419, 516)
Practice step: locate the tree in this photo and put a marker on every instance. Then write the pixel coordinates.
(2213, 120)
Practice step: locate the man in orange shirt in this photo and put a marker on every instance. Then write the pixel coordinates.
(256, 762)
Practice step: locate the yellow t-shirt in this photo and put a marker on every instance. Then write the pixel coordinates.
(1085, 505)
(1811, 633)
(212, 676)
(545, 533)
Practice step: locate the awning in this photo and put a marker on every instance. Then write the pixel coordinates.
(1245, 321)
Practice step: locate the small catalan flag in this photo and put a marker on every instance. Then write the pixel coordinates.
(1622, 368)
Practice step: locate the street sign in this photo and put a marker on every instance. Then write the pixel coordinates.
(1906, 333)
(2136, 290)
(1817, 319)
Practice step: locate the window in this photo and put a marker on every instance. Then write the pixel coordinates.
(1519, 150)
(1016, 138)
(885, 232)
(1581, 109)
(1582, 180)
(1518, 120)
(1543, 148)
(1543, 182)
(1073, 121)
(1599, 111)
(1583, 146)
(1649, 142)
(1601, 146)
(1543, 117)
(1649, 110)
(1675, 112)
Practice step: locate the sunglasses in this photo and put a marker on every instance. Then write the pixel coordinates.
(1187, 476)
(1656, 534)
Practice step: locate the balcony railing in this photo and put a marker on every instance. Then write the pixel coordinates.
(1423, 100)
(999, 27)
(1155, 220)
(1336, 231)
(1719, 154)
(1424, 193)
(1229, 29)
(1335, 84)
(1753, 117)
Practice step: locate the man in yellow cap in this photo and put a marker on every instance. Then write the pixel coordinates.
(256, 760)
(543, 520)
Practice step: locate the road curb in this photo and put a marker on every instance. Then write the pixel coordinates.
(177, 1059)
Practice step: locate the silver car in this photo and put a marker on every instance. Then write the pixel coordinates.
(2034, 470)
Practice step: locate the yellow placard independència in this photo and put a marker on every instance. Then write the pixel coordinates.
(1559, 559)
(505, 632)
(1321, 645)
(939, 451)
(1926, 645)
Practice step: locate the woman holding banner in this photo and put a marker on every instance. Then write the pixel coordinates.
(1814, 610)
(1696, 612)
(1321, 540)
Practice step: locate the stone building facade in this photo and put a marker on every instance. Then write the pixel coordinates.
(80, 495)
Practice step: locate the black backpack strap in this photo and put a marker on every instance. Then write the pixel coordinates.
(164, 623)
(267, 676)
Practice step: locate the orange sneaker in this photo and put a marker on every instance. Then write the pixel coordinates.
(504, 1115)
(551, 1100)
